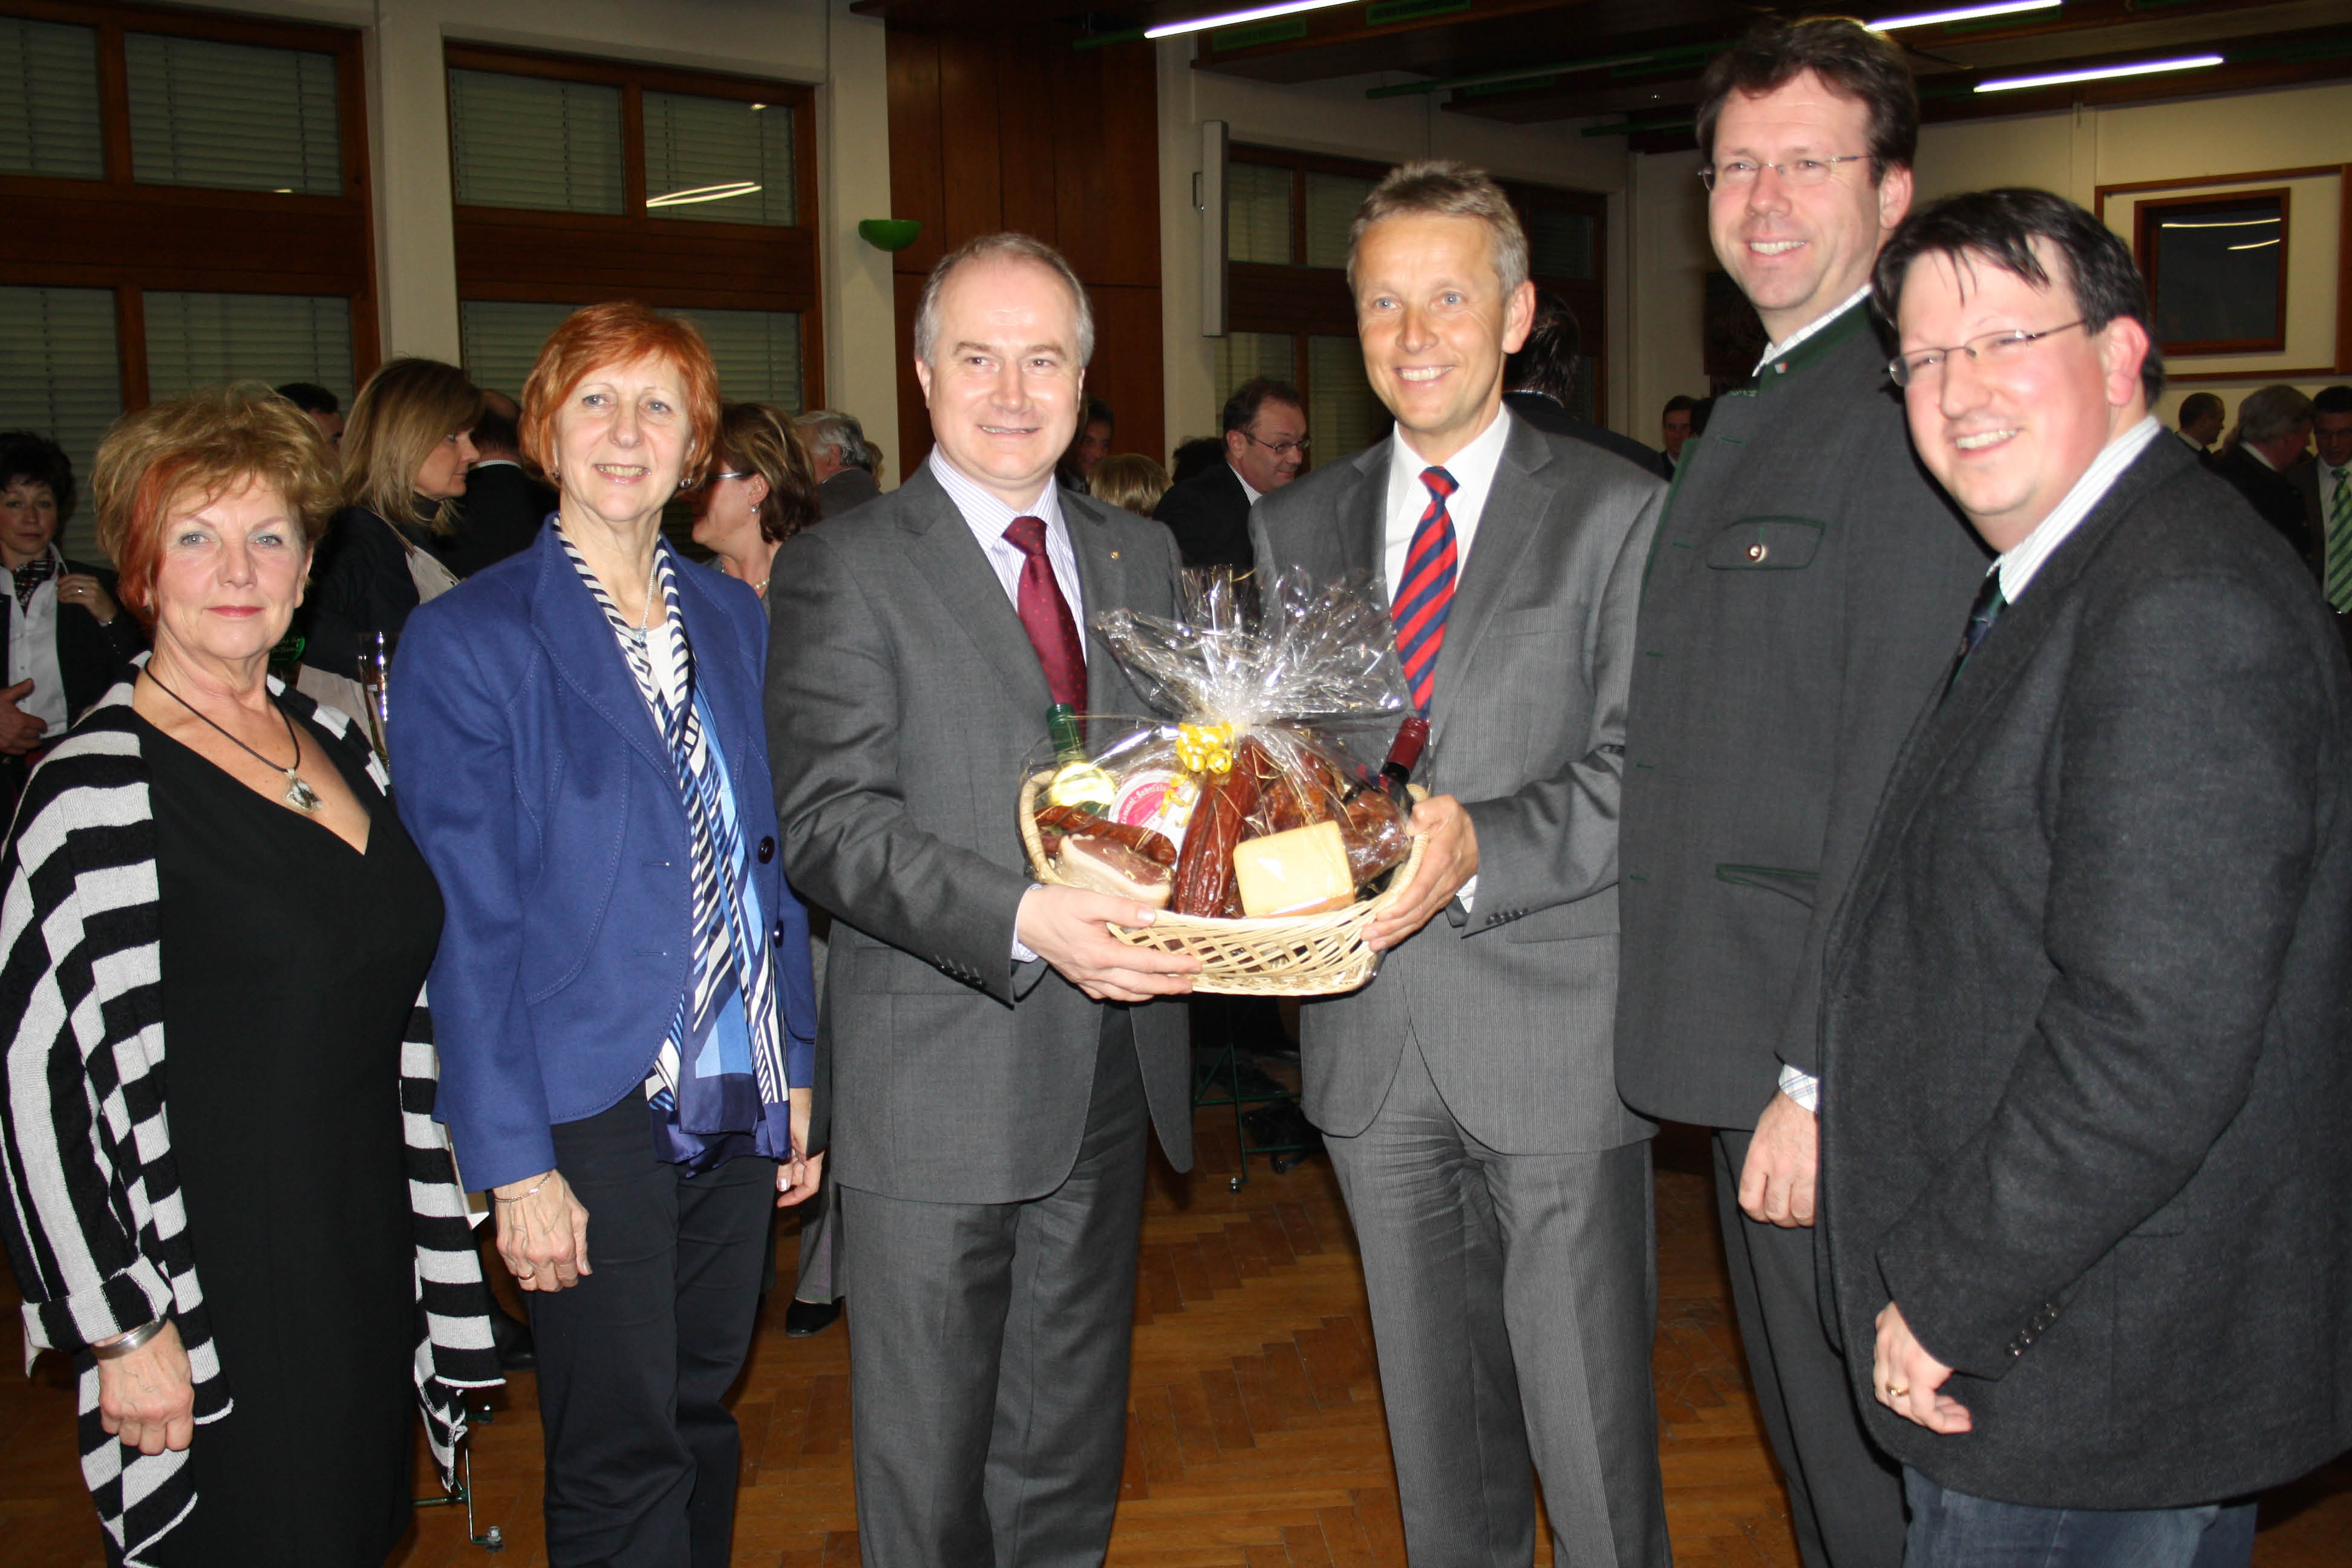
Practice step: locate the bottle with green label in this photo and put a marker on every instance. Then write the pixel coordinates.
(1077, 782)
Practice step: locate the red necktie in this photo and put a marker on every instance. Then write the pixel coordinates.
(1427, 592)
(1045, 615)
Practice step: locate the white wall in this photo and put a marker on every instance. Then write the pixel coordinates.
(1335, 117)
(816, 42)
(2072, 153)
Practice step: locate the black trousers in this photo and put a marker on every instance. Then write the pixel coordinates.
(635, 1360)
(1845, 1498)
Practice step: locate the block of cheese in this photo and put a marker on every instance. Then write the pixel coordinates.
(1301, 872)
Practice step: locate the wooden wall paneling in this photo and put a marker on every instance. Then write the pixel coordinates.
(916, 173)
(970, 152)
(506, 255)
(1127, 157)
(1127, 368)
(1037, 133)
(914, 415)
(2344, 273)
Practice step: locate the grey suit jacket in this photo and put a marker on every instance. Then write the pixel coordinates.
(2086, 1026)
(1512, 1003)
(1806, 592)
(903, 700)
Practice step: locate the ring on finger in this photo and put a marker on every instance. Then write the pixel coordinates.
(1894, 1392)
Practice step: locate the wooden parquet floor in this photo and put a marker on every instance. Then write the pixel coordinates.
(1254, 1434)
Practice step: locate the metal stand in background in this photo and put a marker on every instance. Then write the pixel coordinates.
(493, 1539)
(1223, 1073)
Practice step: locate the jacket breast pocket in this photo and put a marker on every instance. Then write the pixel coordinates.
(1764, 544)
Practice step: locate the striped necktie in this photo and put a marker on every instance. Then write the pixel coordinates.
(1426, 590)
(2339, 542)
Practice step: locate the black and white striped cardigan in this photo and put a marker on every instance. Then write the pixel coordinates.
(95, 1222)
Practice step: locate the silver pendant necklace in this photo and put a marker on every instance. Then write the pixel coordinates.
(298, 794)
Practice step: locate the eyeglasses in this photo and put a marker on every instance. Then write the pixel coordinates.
(1738, 175)
(1279, 449)
(1917, 366)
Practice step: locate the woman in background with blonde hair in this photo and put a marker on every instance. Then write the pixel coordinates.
(406, 449)
(1129, 481)
(762, 491)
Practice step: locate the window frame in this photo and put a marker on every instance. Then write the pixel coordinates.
(116, 233)
(2147, 216)
(533, 256)
(1294, 301)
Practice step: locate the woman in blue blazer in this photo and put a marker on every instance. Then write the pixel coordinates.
(623, 997)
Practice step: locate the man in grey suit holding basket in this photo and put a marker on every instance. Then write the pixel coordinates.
(1499, 1188)
(993, 1061)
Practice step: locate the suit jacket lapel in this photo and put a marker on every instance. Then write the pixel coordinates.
(579, 643)
(952, 562)
(1102, 581)
(1506, 524)
(1948, 719)
(1363, 512)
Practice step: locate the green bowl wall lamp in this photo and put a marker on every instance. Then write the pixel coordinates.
(889, 233)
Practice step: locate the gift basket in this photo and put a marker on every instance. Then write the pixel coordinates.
(1250, 817)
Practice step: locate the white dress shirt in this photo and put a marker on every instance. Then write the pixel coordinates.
(989, 516)
(1248, 488)
(2017, 568)
(1473, 470)
(33, 653)
(1775, 351)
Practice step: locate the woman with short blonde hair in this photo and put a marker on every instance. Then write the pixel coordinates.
(260, 1263)
(406, 450)
(1129, 481)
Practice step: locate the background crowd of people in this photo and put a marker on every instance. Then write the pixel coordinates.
(1938, 794)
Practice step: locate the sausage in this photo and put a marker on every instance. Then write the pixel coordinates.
(1143, 840)
(1206, 864)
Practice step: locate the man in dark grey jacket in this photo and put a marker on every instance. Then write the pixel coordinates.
(1798, 610)
(2087, 1088)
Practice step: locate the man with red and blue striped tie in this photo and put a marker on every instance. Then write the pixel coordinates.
(1499, 1188)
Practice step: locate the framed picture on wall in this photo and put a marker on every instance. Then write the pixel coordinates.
(2247, 273)
(2217, 271)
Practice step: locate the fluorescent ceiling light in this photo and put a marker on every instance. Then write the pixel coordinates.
(1230, 18)
(2229, 223)
(703, 193)
(1960, 14)
(2099, 73)
(2256, 245)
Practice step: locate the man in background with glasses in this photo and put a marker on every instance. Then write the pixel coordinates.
(1265, 446)
(1802, 602)
(2088, 1162)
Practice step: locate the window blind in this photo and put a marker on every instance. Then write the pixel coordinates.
(49, 100)
(718, 159)
(1331, 204)
(1246, 356)
(1257, 213)
(526, 142)
(1342, 415)
(758, 354)
(59, 376)
(1560, 244)
(236, 117)
(500, 339)
(195, 339)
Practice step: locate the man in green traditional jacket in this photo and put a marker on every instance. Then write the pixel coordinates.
(1805, 596)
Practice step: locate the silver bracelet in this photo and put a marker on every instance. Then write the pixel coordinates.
(131, 1342)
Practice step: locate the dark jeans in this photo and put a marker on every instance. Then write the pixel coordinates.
(635, 1360)
(1953, 1530)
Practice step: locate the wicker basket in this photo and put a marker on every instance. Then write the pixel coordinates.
(1275, 955)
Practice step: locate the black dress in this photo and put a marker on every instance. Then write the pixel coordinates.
(290, 963)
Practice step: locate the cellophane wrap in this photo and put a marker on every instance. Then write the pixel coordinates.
(1269, 729)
